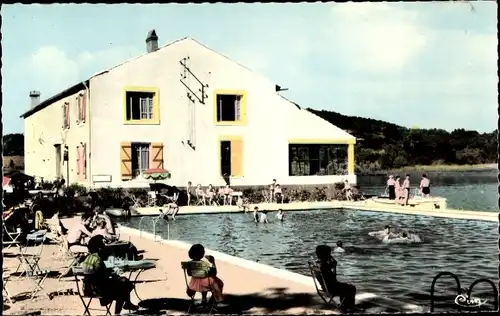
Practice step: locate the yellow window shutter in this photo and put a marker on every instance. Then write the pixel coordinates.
(126, 160)
(157, 156)
(237, 157)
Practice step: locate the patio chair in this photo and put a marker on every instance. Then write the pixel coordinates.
(5, 291)
(10, 238)
(151, 198)
(187, 267)
(28, 261)
(200, 198)
(75, 256)
(321, 286)
(87, 291)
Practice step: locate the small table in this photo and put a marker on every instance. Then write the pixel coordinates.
(131, 267)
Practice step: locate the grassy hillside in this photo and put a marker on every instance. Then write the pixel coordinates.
(385, 146)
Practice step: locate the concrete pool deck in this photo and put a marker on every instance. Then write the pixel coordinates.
(367, 205)
(250, 287)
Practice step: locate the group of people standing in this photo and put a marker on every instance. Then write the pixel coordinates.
(401, 192)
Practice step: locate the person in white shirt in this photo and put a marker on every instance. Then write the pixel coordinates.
(339, 248)
(391, 188)
(280, 216)
(263, 217)
(79, 232)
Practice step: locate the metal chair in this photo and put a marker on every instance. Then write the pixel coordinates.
(5, 291)
(200, 198)
(187, 267)
(74, 256)
(151, 198)
(322, 286)
(87, 291)
(12, 237)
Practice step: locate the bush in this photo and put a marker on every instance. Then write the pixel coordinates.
(119, 197)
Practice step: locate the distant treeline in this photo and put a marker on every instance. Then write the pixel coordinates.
(386, 146)
(13, 144)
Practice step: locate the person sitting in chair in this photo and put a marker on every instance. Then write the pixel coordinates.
(200, 194)
(242, 204)
(211, 194)
(172, 207)
(78, 233)
(110, 286)
(204, 275)
(278, 195)
(328, 268)
(102, 230)
(99, 214)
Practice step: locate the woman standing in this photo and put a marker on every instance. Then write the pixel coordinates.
(391, 188)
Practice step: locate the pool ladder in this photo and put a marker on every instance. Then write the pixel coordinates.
(154, 221)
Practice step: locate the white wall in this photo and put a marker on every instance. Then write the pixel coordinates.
(42, 130)
(265, 137)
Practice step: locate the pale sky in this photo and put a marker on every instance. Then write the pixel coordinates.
(427, 64)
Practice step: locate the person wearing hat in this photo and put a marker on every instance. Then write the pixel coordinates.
(391, 188)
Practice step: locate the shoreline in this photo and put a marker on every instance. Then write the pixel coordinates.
(433, 168)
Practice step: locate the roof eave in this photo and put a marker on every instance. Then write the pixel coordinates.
(71, 90)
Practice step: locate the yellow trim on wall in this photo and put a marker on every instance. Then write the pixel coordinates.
(243, 107)
(156, 105)
(350, 159)
(312, 141)
(232, 138)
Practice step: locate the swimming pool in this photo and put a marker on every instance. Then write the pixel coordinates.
(399, 271)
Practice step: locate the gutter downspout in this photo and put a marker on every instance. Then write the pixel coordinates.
(89, 162)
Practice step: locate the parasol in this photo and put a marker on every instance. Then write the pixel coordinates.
(5, 181)
(156, 174)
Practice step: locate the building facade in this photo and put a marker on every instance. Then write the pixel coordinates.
(187, 109)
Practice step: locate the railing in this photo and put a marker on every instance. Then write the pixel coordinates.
(154, 221)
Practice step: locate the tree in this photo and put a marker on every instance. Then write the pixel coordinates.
(13, 145)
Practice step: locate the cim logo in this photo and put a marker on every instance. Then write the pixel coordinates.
(468, 302)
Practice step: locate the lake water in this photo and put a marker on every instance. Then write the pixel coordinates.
(473, 190)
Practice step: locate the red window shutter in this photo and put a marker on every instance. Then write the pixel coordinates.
(84, 161)
(78, 160)
(83, 106)
(67, 116)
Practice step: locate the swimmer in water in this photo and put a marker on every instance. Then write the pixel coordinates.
(383, 233)
(256, 214)
(263, 217)
(280, 216)
(339, 248)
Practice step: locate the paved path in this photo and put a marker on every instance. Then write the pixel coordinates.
(250, 287)
(367, 205)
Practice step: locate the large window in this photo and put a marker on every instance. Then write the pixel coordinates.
(139, 106)
(228, 108)
(315, 159)
(140, 158)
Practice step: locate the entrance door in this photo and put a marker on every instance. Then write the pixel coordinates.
(225, 157)
(58, 160)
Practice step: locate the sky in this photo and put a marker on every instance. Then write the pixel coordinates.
(423, 65)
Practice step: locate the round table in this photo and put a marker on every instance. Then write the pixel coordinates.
(131, 266)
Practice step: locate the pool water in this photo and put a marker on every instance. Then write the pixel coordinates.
(404, 272)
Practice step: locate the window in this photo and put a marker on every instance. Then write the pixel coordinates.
(66, 117)
(139, 106)
(230, 107)
(314, 159)
(140, 158)
(81, 102)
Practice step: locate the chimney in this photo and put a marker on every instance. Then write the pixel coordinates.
(152, 41)
(35, 98)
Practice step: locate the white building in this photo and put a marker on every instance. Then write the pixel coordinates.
(190, 110)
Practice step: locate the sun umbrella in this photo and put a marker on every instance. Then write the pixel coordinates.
(5, 181)
(156, 174)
